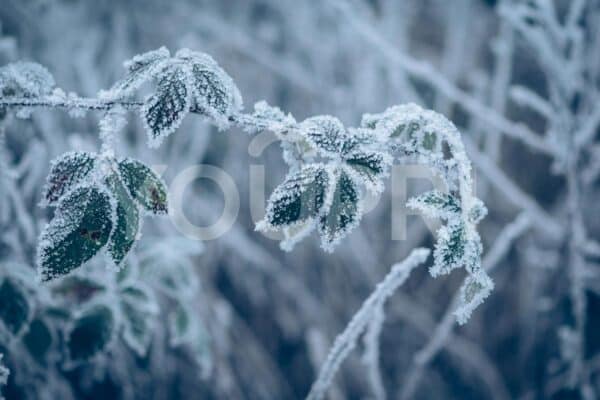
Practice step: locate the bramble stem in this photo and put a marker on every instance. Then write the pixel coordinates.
(59, 102)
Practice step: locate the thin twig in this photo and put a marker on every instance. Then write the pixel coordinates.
(427, 73)
(85, 103)
(347, 340)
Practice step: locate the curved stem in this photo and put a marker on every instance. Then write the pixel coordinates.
(347, 340)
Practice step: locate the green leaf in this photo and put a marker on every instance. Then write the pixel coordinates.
(370, 167)
(172, 274)
(477, 212)
(449, 249)
(343, 214)
(26, 79)
(141, 61)
(141, 69)
(80, 228)
(144, 186)
(136, 332)
(127, 225)
(66, 172)
(139, 308)
(215, 94)
(91, 333)
(141, 296)
(436, 204)
(299, 198)
(474, 290)
(38, 340)
(14, 307)
(164, 110)
(326, 133)
(357, 140)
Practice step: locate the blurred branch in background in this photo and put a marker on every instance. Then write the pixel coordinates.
(519, 78)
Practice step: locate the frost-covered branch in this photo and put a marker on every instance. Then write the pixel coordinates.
(68, 102)
(371, 360)
(347, 340)
(100, 197)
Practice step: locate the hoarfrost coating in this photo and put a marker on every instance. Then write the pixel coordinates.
(144, 311)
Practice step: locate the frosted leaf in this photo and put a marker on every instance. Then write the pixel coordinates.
(263, 110)
(266, 112)
(91, 333)
(449, 248)
(215, 93)
(76, 289)
(477, 212)
(269, 117)
(141, 61)
(395, 121)
(326, 133)
(144, 186)
(343, 212)
(15, 309)
(80, 228)
(436, 204)
(164, 110)
(358, 139)
(298, 199)
(66, 172)
(38, 340)
(409, 125)
(369, 168)
(178, 279)
(166, 263)
(456, 248)
(141, 68)
(472, 257)
(419, 134)
(141, 296)
(137, 329)
(25, 79)
(136, 332)
(309, 193)
(475, 289)
(127, 223)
